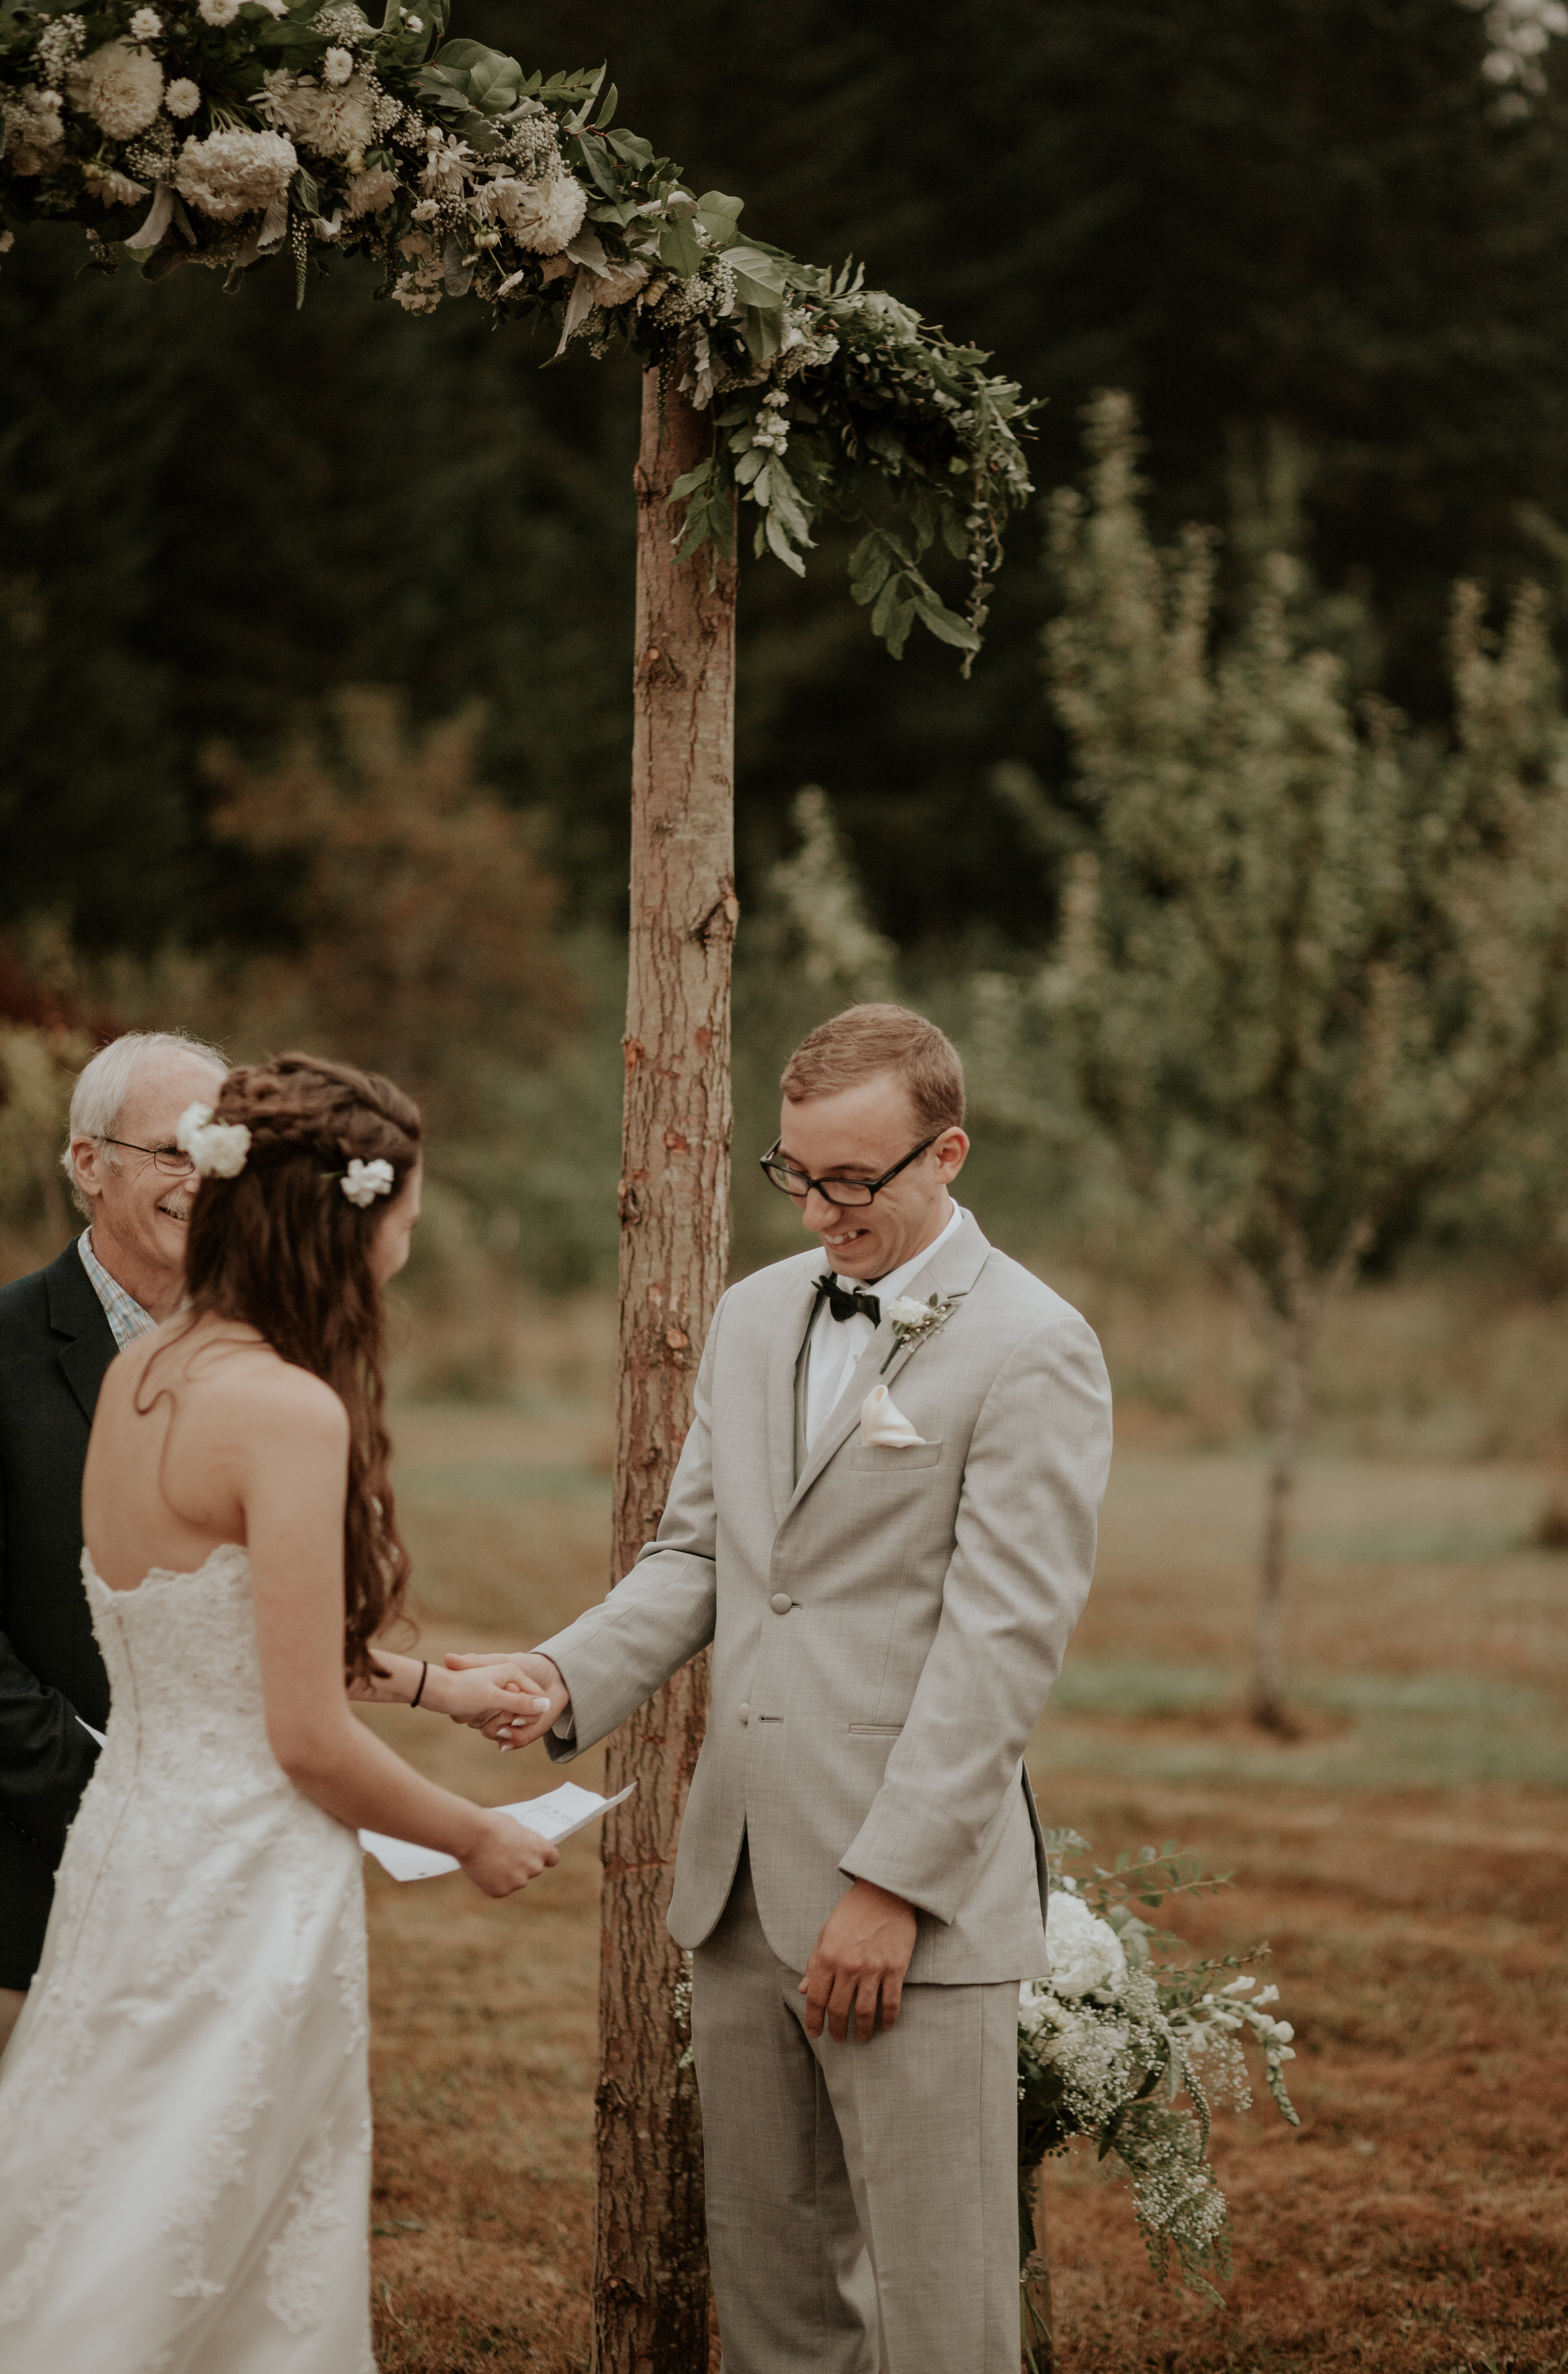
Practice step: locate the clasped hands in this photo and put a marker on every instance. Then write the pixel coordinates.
(512, 1697)
(857, 1966)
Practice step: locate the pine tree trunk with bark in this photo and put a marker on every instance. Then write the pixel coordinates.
(650, 2268)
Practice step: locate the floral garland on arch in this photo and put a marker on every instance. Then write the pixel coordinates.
(229, 133)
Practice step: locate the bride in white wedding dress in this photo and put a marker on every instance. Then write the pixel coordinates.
(184, 2115)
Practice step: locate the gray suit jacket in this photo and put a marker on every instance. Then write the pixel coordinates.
(886, 1625)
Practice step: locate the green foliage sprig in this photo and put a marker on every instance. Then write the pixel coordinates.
(233, 133)
(1129, 2043)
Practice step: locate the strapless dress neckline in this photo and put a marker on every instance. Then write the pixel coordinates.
(227, 1558)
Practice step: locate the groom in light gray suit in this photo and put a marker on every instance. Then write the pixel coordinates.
(888, 1590)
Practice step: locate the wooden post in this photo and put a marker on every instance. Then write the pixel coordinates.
(650, 2265)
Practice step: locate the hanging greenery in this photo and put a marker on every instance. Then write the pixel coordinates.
(232, 132)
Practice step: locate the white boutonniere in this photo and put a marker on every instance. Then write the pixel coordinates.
(912, 1322)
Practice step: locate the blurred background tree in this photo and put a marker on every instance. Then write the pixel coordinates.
(1311, 961)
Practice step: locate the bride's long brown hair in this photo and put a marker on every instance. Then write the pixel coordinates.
(282, 1247)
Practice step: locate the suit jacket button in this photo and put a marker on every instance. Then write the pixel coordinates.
(781, 1603)
(745, 1714)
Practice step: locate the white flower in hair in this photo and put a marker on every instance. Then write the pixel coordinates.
(217, 1147)
(363, 1181)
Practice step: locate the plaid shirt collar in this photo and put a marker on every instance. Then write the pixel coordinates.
(127, 1318)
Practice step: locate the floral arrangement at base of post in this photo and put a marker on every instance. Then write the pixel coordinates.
(1130, 2044)
(232, 132)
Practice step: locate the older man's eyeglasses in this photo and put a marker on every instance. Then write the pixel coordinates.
(168, 1159)
(847, 1193)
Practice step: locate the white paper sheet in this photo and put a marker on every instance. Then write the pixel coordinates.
(557, 1814)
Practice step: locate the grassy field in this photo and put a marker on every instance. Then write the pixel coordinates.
(1405, 1856)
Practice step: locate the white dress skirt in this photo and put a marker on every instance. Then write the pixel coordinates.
(184, 2107)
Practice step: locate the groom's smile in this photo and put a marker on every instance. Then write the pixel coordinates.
(851, 1140)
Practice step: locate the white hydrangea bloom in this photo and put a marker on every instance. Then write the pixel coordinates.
(542, 214)
(182, 96)
(234, 173)
(1086, 1953)
(120, 86)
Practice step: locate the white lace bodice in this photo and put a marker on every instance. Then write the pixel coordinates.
(185, 1675)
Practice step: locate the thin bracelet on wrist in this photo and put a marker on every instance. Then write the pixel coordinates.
(424, 1674)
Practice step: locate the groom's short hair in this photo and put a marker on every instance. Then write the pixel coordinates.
(866, 1040)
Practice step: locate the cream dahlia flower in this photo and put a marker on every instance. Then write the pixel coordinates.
(182, 96)
(233, 173)
(120, 86)
(540, 215)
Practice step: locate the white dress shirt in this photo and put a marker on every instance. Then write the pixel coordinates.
(834, 1346)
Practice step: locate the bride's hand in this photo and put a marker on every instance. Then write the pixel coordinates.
(486, 1696)
(508, 1856)
(524, 1719)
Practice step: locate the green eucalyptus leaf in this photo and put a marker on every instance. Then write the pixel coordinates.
(595, 157)
(689, 484)
(763, 332)
(680, 250)
(780, 545)
(950, 628)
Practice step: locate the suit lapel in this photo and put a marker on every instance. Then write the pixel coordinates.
(75, 1311)
(952, 1269)
(796, 1304)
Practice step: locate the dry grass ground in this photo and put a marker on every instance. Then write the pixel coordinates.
(1407, 1857)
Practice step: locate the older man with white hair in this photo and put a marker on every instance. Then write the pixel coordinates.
(59, 1331)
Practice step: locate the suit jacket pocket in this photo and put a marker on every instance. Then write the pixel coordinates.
(875, 1729)
(880, 1459)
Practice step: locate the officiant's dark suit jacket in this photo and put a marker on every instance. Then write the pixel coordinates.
(55, 1346)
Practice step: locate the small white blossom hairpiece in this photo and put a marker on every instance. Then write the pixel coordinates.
(363, 1181)
(217, 1147)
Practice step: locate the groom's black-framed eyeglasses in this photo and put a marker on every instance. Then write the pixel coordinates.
(171, 1160)
(847, 1193)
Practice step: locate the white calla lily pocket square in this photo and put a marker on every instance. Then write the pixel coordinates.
(884, 1426)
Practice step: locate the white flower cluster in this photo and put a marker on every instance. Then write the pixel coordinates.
(58, 45)
(772, 433)
(218, 1148)
(31, 131)
(234, 173)
(1087, 1956)
(1520, 32)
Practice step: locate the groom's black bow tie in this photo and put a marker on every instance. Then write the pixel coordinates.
(851, 1305)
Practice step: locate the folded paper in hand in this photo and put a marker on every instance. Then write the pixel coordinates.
(883, 1425)
(557, 1816)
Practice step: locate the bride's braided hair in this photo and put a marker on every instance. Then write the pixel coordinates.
(282, 1248)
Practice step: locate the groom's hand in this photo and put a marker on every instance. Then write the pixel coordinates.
(533, 1673)
(858, 1962)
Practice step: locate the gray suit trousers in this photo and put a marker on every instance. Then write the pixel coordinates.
(862, 2198)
